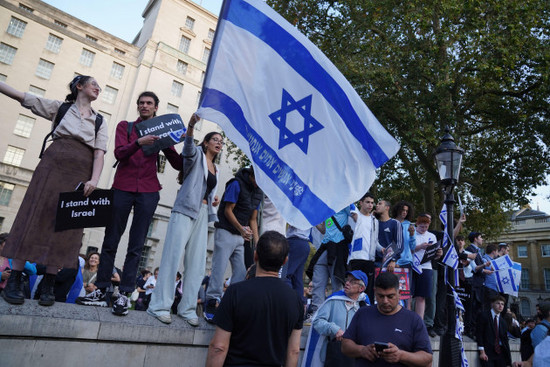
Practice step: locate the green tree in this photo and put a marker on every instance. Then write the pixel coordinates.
(480, 67)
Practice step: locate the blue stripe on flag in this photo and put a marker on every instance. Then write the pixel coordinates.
(313, 208)
(245, 16)
(512, 280)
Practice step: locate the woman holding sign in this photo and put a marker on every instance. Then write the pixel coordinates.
(187, 233)
(74, 157)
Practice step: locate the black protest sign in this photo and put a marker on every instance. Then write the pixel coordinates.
(431, 252)
(76, 211)
(169, 128)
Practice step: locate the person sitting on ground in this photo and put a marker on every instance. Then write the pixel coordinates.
(140, 287)
(89, 273)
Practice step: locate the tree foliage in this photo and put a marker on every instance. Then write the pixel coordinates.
(480, 67)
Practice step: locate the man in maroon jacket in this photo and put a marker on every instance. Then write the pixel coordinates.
(136, 186)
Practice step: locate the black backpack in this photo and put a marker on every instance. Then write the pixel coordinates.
(60, 114)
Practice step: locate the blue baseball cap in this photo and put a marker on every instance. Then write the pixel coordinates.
(359, 275)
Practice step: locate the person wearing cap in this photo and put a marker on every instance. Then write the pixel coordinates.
(332, 320)
(503, 249)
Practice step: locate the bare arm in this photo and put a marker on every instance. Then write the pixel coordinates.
(254, 226)
(293, 349)
(90, 186)
(233, 220)
(354, 350)
(218, 347)
(11, 92)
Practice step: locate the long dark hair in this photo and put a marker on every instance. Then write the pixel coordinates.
(206, 139)
(79, 79)
(397, 208)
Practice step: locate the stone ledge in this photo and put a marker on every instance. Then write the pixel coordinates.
(68, 335)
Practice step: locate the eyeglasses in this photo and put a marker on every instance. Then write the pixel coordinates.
(218, 140)
(95, 85)
(352, 281)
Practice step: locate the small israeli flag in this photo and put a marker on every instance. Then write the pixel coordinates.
(314, 144)
(416, 264)
(509, 280)
(502, 262)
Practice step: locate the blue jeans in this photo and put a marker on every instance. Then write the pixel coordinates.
(293, 270)
(144, 204)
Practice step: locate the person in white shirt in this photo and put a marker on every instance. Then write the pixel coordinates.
(422, 276)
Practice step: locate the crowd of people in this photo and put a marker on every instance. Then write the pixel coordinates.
(379, 268)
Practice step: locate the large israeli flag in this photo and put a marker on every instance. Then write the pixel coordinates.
(313, 142)
(509, 279)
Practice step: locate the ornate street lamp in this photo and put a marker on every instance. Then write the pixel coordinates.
(448, 157)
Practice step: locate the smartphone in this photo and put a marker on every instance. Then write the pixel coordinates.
(80, 186)
(380, 346)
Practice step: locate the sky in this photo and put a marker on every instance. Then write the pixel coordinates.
(122, 18)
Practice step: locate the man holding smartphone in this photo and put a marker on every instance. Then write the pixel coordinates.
(387, 334)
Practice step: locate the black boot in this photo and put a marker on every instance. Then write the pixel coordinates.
(47, 297)
(12, 292)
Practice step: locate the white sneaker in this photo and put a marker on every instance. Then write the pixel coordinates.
(167, 319)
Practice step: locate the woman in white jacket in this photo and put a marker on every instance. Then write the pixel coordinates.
(187, 233)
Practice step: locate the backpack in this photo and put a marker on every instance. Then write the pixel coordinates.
(59, 116)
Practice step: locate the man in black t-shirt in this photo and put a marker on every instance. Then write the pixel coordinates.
(259, 321)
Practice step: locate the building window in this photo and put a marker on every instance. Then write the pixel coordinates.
(184, 44)
(14, 156)
(87, 57)
(91, 249)
(6, 189)
(117, 70)
(545, 249)
(203, 74)
(525, 307)
(143, 258)
(7, 53)
(54, 43)
(522, 251)
(189, 23)
(541, 220)
(172, 108)
(547, 279)
(205, 55)
(109, 94)
(177, 89)
(23, 126)
(525, 281)
(519, 221)
(162, 163)
(3, 77)
(16, 27)
(26, 8)
(60, 24)
(119, 51)
(211, 34)
(44, 69)
(90, 38)
(37, 91)
(182, 67)
(2, 224)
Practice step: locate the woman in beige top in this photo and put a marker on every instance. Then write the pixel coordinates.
(76, 155)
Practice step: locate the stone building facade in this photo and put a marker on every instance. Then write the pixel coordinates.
(43, 48)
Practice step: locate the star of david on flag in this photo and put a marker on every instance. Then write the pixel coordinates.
(313, 142)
